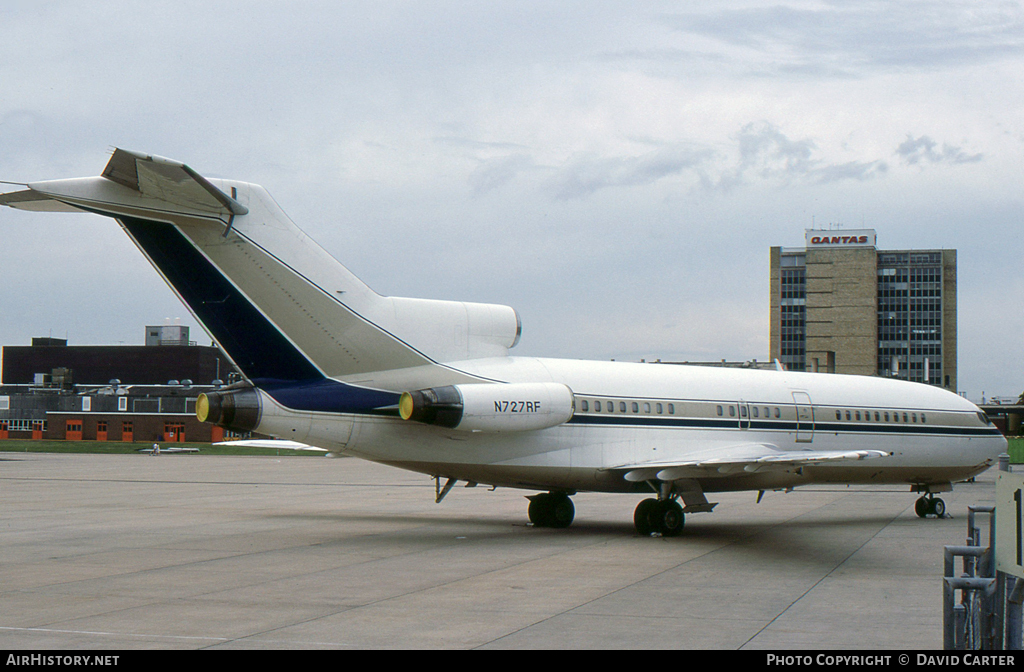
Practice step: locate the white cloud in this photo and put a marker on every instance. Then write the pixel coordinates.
(923, 150)
(577, 160)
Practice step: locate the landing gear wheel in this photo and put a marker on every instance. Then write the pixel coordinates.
(670, 519)
(664, 517)
(643, 517)
(551, 509)
(925, 505)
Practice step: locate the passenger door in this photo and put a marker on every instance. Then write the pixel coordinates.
(804, 417)
(743, 410)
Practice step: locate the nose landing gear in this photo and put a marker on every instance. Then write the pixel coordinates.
(930, 504)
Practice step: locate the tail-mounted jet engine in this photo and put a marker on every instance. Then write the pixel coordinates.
(490, 407)
(234, 409)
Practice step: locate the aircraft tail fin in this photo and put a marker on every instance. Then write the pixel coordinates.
(276, 302)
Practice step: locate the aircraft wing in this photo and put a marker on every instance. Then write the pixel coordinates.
(747, 457)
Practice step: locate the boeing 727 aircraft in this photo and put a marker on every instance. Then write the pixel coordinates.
(430, 386)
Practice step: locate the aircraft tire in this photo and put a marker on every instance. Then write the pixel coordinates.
(562, 511)
(670, 518)
(550, 509)
(539, 508)
(938, 507)
(921, 507)
(644, 517)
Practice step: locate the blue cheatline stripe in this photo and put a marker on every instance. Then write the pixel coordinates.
(782, 425)
(260, 350)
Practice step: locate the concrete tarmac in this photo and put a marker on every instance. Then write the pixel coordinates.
(193, 552)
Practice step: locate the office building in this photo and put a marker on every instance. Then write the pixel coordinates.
(840, 305)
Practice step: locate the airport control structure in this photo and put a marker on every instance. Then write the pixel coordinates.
(841, 305)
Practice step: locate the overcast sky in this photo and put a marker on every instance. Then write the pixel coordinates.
(616, 171)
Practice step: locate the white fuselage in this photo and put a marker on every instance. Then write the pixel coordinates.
(631, 414)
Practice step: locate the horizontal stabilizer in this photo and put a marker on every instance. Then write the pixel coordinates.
(136, 185)
(167, 180)
(33, 200)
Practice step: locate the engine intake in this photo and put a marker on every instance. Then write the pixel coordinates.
(490, 407)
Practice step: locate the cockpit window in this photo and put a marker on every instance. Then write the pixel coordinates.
(984, 418)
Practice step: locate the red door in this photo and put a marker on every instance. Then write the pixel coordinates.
(174, 432)
(72, 430)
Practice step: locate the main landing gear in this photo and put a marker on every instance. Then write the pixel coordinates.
(551, 509)
(664, 516)
(930, 504)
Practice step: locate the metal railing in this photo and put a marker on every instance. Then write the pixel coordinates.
(988, 613)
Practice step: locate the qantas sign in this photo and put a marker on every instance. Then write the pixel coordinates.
(848, 238)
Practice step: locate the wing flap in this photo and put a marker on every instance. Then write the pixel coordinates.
(749, 457)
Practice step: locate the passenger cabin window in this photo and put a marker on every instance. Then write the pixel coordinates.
(636, 407)
(885, 416)
(647, 407)
(671, 409)
(597, 406)
(857, 416)
(922, 418)
(777, 413)
(848, 415)
(743, 411)
(876, 416)
(585, 406)
(753, 409)
(622, 407)
(719, 410)
(732, 411)
(904, 417)
(839, 415)
(659, 408)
